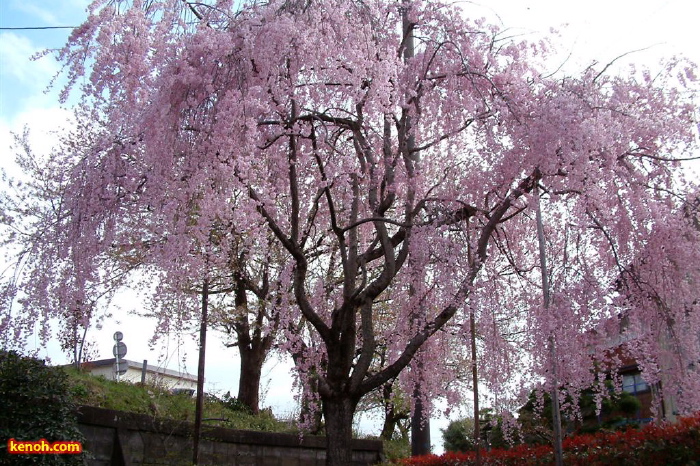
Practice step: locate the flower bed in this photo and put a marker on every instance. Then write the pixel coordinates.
(667, 443)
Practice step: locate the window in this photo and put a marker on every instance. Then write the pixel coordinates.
(634, 383)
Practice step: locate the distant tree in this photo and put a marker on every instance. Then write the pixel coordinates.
(245, 309)
(459, 435)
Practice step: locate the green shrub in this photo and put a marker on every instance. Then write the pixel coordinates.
(459, 435)
(36, 404)
(396, 448)
(234, 404)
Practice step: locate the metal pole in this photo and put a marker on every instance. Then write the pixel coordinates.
(556, 414)
(420, 420)
(200, 372)
(143, 372)
(475, 381)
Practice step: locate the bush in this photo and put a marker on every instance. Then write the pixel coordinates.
(669, 444)
(36, 404)
(459, 435)
(234, 404)
(396, 448)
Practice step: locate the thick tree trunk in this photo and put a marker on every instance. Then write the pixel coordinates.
(339, 413)
(253, 347)
(420, 426)
(389, 425)
(252, 361)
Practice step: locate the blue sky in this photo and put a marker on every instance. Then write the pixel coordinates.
(592, 30)
(595, 29)
(23, 81)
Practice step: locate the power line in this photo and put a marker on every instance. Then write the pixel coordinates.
(36, 28)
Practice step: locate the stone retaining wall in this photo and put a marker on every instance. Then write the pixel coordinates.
(120, 438)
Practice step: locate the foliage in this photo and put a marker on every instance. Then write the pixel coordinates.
(492, 433)
(36, 404)
(397, 448)
(618, 410)
(673, 444)
(459, 435)
(233, 403)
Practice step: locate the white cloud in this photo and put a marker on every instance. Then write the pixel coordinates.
(44, 16)
(49, 12)
(603, 30)
(24, 81)
(16, 56)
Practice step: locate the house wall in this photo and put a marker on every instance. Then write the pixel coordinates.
(133, 375)
(628, 365)
(156, 376)
(105, 371)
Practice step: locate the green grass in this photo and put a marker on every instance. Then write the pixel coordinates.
(158, 402)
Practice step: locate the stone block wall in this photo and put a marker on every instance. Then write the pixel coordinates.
(119, 438)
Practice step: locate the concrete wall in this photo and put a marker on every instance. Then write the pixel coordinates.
(119, 438)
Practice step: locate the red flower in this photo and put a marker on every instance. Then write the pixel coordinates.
(664, 443)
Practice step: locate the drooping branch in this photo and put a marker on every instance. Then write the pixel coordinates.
(463, 292)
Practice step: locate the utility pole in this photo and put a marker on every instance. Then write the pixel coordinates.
(556, 414)
(420, 420)
(475, 368)
(475, 382)
(200, 372)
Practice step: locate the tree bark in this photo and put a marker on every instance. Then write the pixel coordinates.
(420, 426)
(338, 412)
(253, 346)
(252, 360)
(392, 417)
(311, 416)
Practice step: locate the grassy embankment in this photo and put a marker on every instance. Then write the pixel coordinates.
(159, 402)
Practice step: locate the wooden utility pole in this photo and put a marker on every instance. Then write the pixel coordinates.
(475, 368)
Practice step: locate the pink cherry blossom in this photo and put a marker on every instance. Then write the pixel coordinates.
(394, 193)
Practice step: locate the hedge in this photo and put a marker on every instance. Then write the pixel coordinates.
(35, 403)
(665, 443)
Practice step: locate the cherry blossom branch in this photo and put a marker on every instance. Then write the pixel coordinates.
(391, 371)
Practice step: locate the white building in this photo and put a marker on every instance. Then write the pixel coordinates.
(134, 373)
